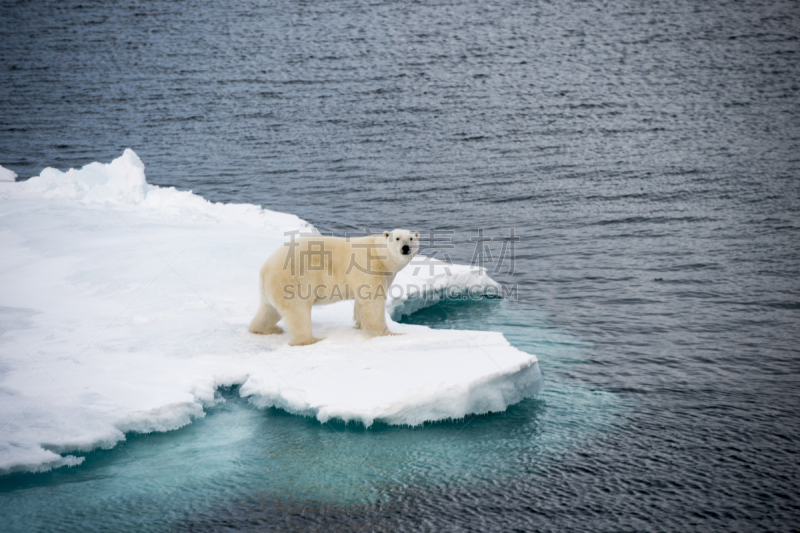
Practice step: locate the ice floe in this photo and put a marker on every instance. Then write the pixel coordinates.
(124, 307)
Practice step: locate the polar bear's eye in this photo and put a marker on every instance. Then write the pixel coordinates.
(398, 238)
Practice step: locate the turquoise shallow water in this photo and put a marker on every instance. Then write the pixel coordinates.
(240, 456)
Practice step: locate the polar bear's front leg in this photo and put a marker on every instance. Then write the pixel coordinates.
(373, 317)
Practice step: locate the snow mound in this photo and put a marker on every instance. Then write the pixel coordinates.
(120, 182)
(429, 281)
(7, 174)
(124, 307)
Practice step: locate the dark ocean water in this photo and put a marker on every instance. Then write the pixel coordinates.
(647, 154)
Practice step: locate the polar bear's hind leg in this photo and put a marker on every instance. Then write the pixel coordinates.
(298, 320)
(264, 321)
(357, 314)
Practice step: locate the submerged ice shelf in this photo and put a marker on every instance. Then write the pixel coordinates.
(124, 306)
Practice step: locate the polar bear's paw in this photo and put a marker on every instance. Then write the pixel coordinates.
(305, 342)
(385, 333)
(272, 330)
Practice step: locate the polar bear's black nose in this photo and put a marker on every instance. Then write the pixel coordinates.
(406, 249)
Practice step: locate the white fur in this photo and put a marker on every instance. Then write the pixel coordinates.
(320, 270)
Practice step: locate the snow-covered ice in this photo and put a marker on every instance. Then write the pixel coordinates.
(124, 306)
(7, 174)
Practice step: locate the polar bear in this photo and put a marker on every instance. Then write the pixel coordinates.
(317, 270)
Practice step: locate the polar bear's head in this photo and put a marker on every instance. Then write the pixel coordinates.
(402, 244)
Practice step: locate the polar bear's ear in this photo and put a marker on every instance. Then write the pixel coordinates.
(385, 233)
(416, 234)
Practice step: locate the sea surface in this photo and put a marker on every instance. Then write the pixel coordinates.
(645, 153)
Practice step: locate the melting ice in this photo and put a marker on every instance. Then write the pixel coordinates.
(124, 306)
